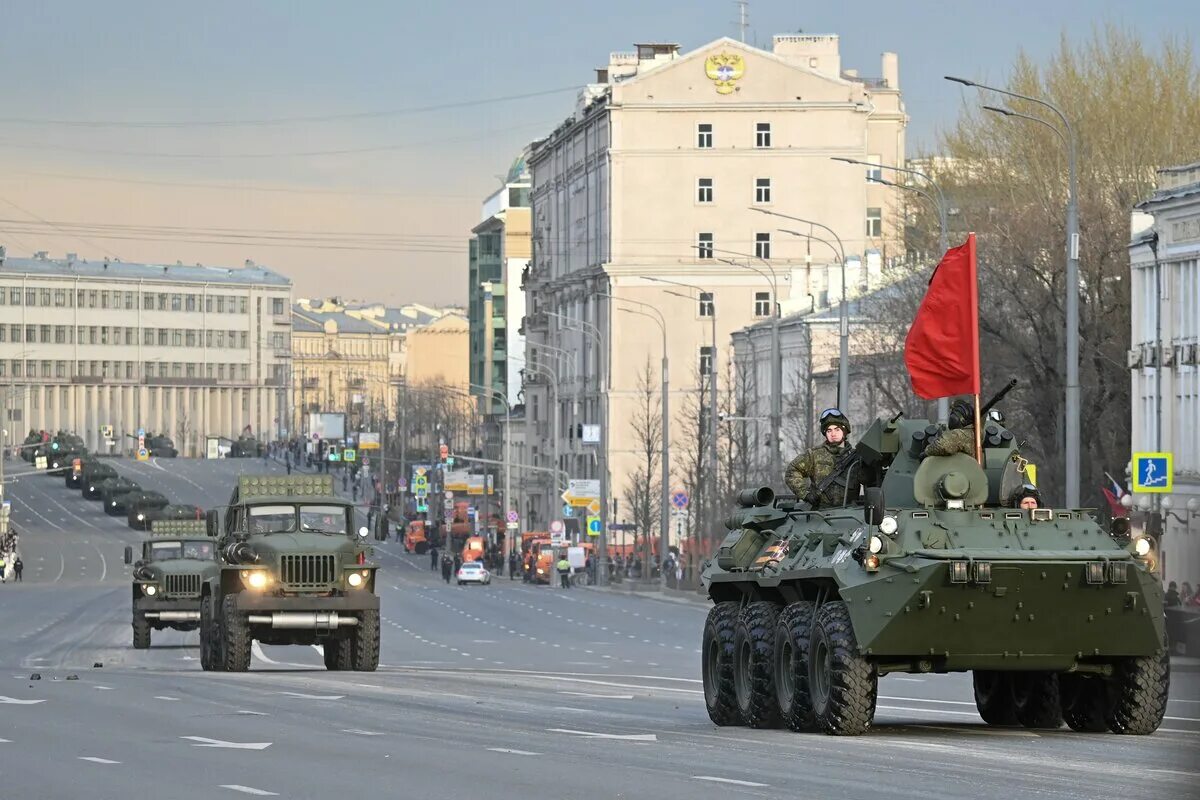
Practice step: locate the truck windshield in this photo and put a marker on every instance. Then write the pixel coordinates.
(312, 519)
(323, 519)
(272, 519)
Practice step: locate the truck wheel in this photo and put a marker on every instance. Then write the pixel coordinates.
(141, 633)
(337, 654)
(1140, 694)
(843, 683)
(236, 636)
(754, 667)
(1084, 702)
(717, 669)
(993, 696)
(364, 646)
(1035, 699)
(210, 642)
(792, 635)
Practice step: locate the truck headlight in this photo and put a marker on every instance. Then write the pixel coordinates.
(355, 579)
(141, 517)
(255, 578)
(888, 526)
(150, 590)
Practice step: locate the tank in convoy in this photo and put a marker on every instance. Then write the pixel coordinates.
(175, 562)
(1057, 619)
(293, 570)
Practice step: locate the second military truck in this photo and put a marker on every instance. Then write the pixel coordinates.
(176, 560)
(293, 570)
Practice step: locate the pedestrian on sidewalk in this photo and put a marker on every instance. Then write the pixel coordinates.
(514, 565)
(18, 566)
(433, 559)
(446, 567)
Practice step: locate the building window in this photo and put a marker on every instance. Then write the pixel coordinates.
(3, 333)
(704, 245)
(177, 338)
(190, 338)
(874, 173)
(45, 369)
(762, 190)
(277, 306)
(44, 334)
(147, 302)
(220, 304)
(60, 334)
(704, 135)
(30, 297)
(161, 301)
(762, 304)
(762, 134)
(762, 245)
(189, 302)
(704, 190)
(176, 370)
(129, 301)
(162, 337)
(3, 297)
(148, 336)
(17, 368)
(241, 305)
(15, 297)
(208, 304)
(706, 304)
(31, 333)
(60, 369)
(104, 299)
(103, 334)
(92, 298)
(128, 370)
(177, 302)
(706, 360)
(874, 222)
(130, 335)
(60, 297)
(44, 298)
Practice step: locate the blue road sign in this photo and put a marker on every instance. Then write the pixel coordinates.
(1153, 472)
(593, 526)
(679, 499)
(568, 511)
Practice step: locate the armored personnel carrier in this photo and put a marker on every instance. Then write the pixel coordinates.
(63, 450)
(293, 571)
(139, 505)
(114, 495)
(92, 477)
(246, 447)
(160, 446)
(176, 560)
(1057, 619)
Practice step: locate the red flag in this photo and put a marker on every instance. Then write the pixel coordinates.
(942, 348)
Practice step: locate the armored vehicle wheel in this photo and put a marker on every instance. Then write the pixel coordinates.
(843, 683)
(141, 633)
(364, 646)
(1035, 699)
(337, 654)
(993, 696)
(717, 669)
(754, 667)
(1084, 702)
(208, 636)
(235, 638)
(793, 634)
(1139, 694)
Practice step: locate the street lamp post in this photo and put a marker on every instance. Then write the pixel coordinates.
(843, 315)
(664, 512)
(943, 208)
(1072, 274)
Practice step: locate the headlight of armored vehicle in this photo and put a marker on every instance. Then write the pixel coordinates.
(876, 543)
(1141, 546)
(355, 579)
(255, 578)
(149, 589)
(888, 526)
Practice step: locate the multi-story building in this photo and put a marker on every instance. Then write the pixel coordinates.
(186, 351)
(683, 168)
(500, 249)
(1164, 360)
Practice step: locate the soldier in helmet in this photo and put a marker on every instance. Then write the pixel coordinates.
(1026, 496)
(960, 436)
(808, 470)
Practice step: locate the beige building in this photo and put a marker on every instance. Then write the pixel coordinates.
(353, 358)
(664, 170)
(189, 351)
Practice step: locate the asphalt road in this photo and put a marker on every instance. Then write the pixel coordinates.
(505, 691)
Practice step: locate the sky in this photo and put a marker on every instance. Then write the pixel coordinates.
(350, 146)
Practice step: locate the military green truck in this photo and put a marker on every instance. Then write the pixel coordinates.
(176, 560)
(1057, 619)
(139, 505)
(113, 496)
(293, 570)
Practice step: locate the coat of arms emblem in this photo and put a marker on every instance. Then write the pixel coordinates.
(725, 69)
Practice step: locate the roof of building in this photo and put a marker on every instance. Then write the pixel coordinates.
(121, 270)
(1173, 193)
(307, 320)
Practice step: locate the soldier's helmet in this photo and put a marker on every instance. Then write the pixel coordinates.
(1026, 490)
(961, 414)
(833, 416)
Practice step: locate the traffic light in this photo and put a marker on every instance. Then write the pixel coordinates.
(450, 461)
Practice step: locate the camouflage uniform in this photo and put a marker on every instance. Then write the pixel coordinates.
(809, 469)
(958, 440)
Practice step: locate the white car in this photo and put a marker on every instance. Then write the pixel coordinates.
(473, 572)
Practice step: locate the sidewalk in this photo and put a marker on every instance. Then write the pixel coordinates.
(651, 591)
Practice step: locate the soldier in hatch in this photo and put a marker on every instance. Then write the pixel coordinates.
(809, 470)
(1027, 496)
(960, 437)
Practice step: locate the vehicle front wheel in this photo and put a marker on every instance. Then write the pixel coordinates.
(1035, 699)
(210, 643)
(236, 638)
(843, 683)
(1140, 694)
(337, 654)
(754, 669)
(141, 633)
(364, 646)
(717, 651)
(793, 634)
(993, 696)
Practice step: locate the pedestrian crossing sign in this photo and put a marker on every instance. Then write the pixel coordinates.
(1153, 473)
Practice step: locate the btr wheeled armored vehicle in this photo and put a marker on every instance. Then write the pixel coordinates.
(293, 570)
(139, 507)
(176, 560)
(1057, 619)
(92, 478)
(114, 495)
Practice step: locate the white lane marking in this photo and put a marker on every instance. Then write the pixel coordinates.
(572, 708)
(1182, 719)
(715, 779)
(984, 731)
(96, 760)
(934, 711)
(13, 701)
(625, 737)
(303, 696)
(1176, 772)
(257, 651)
(600, 696)
(164, 697)
(358, 732)
(911, 680)
(483, 641)
(511, 751)
(5, 741)
(103, 688)
(925, 700)
(204, 741)
(248, 790)
(254, 713)
(103, 563)
(35, 512)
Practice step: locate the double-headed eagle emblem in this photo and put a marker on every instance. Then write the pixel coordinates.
(724, 69)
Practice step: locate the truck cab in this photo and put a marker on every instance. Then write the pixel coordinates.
(293, 570)
(175, 562)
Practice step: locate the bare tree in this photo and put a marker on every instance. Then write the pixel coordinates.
(694, 464)
(643, 491)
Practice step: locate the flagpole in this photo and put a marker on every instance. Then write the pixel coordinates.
(975, 349)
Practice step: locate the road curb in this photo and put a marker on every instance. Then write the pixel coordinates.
(1182, 664)
(663, 596)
